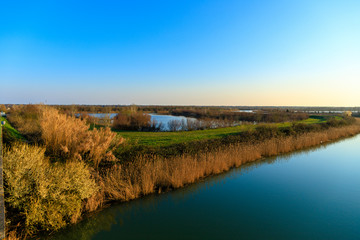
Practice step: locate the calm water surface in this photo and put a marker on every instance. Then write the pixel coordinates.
(313, 194)
(163, 119)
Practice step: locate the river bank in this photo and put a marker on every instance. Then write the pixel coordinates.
(300, 195)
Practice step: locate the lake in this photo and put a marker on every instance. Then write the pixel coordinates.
(311, 194)
(245, 111)
(163, 119)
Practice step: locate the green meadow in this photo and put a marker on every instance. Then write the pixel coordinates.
(163, 139)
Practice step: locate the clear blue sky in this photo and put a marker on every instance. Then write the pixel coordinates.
(211, 52)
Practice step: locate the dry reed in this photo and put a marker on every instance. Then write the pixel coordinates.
(69, 138)
(13, 235)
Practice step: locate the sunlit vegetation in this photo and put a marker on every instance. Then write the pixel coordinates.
(44, 195)
(51, 179)
(57, 167)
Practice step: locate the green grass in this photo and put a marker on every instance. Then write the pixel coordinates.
(162, 139)
(12, 132)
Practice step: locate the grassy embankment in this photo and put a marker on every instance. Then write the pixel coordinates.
(162, 139)
(168, 144)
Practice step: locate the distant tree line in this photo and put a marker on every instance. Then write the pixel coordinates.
(231, 116)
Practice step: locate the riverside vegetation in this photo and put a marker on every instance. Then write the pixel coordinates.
(56, 169)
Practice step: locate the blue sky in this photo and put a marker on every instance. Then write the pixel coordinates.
(214, 52)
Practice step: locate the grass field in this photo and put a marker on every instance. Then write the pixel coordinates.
(162, 139)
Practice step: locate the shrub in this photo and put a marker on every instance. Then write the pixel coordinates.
(48, 195)
(68, 138)
(300, 128)
(134, 121)
(266, 131)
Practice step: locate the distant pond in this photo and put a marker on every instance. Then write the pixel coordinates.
(163, 119)
(245, 111)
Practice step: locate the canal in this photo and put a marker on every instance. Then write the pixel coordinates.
(310, 194)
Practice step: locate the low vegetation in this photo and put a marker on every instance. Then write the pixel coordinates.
(57, 168)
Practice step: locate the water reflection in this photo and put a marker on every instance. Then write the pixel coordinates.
(159, 119)
(171, 212)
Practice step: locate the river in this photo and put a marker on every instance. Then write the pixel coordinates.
(310, 194)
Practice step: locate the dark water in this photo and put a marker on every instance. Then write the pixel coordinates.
(313, 194)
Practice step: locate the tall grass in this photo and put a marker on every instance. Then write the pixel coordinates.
(69, 138)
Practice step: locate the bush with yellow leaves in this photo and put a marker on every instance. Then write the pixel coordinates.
(49, 195)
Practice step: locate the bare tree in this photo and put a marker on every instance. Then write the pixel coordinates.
(183, 125)
(174, 125)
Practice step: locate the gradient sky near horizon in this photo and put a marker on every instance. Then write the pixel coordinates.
(185, 52)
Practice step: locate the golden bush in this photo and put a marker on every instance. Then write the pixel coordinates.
(69, 138)
(49, 195)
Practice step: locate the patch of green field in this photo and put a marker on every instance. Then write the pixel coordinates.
(161, 139)
(169, 138)
(10, 132)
